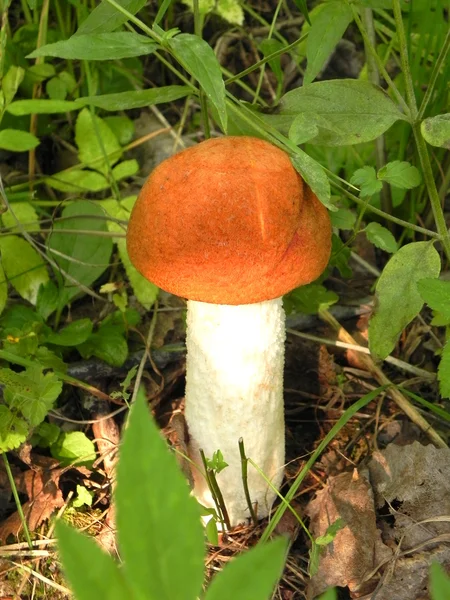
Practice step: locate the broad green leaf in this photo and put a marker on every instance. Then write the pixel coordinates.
(46, 434)
(436, 294)
(309, 299)
(41, 107)
(252, 574)
(303, 8)
(436, 130)
(56, 89)
(83, 257)
(126, 168)
(122, 127)
(72, 447)
(137, 98)
(31, 392)
(15, 140)
(18, 316)
(47, 299)
(100, 46)
(3, 289)
(108, 344)
(49, 360)
(91, 572)
(269, 46)
(13, 430)
(444, 372)
(95, 139)
(343, 218)
(11, 82)
(78, 181)
(25, 213)
(326, 31)
(106, 17)
(356, 110)
(400, 174)
(199, 60)
(153, 506)
(75, 333)
(84, 497)
(381, 237)
(23, 266)
(340, 255)
(439, 582)
(366, 179)
(314, 175)
(397, 298)
(303, 129)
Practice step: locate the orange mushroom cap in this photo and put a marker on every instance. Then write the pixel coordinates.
(228, 221)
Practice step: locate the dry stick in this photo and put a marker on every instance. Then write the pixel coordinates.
(216, 493)
(244, 469)
(378, 374)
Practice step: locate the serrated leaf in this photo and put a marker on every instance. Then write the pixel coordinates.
(315, 176)
(199, 60)
(397, 297)
(381, 237)
(106, 17)
(137, 98)
(122, 127)
(100, 46)
(23, 266)
(108, 344)
(366, 179)
(436, 130)
(19, 108)
(92, 573)
(153, 506)
(15, 140)
(13, 430)
(234, 581)
(75, 333)
(326, 31)
(343, 218)
(436, 294)
(84, 497)
(357, 111)
(400, 174)
(126, 168)
(444, 372)
(78, 181)
(72, 447)
(83, 257)
(95, 139)
(309, 299)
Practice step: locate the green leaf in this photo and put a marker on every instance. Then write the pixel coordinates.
(106, 17)
(340, 255)
(439, 582)
(126, 168)
(199, 60)
(72, 447)
(265, 560)
(95, 139)
(309, 299)
(72, 335)
(108, 344)
(15, 140)
(356, 110)
(153, 507)
(84, 497)
(3, 289)
(444, 372)
(397, 299)
(269, 46)
(23, 266)
(11, 81)
(56, 89)
(31, 392)
(331, 532)
(303, 129)
(13, 430)
(366, 179)
(137, 98)
(92, 573)
(100, 46)
(122, 127)
(381, 237)
(46, 434)
(331, 593)
(326, 31)
(47, 299)
(25, 213)
(20, 108)
(86, 257)
(436, 130)
(400, 174)
(303, 8)
(314, 175)
(343, 218)
(436, 294)
(78, 181)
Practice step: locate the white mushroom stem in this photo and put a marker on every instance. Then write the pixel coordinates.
(234, 389)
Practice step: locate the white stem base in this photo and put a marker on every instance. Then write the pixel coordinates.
(234, 389)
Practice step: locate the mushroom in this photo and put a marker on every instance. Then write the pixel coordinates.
(230, 225)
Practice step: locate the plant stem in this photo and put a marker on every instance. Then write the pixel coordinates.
(244, 467)
(216, 493)
(434, 75)
(12, 483)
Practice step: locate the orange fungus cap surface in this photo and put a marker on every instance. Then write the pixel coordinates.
(228, 221)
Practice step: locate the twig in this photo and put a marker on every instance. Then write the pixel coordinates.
(244, 470)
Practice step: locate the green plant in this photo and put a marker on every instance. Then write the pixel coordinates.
(160, 535)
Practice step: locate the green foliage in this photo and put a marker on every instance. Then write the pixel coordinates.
(309, 299)
(137, 98)
(153, 506)
(320, 544)
(381, 237)
(73, 447)
(366, 178)
(84, 497)
(315, 177)
(436, 130)
(439, 582)
(230, 10)
(400, 174)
